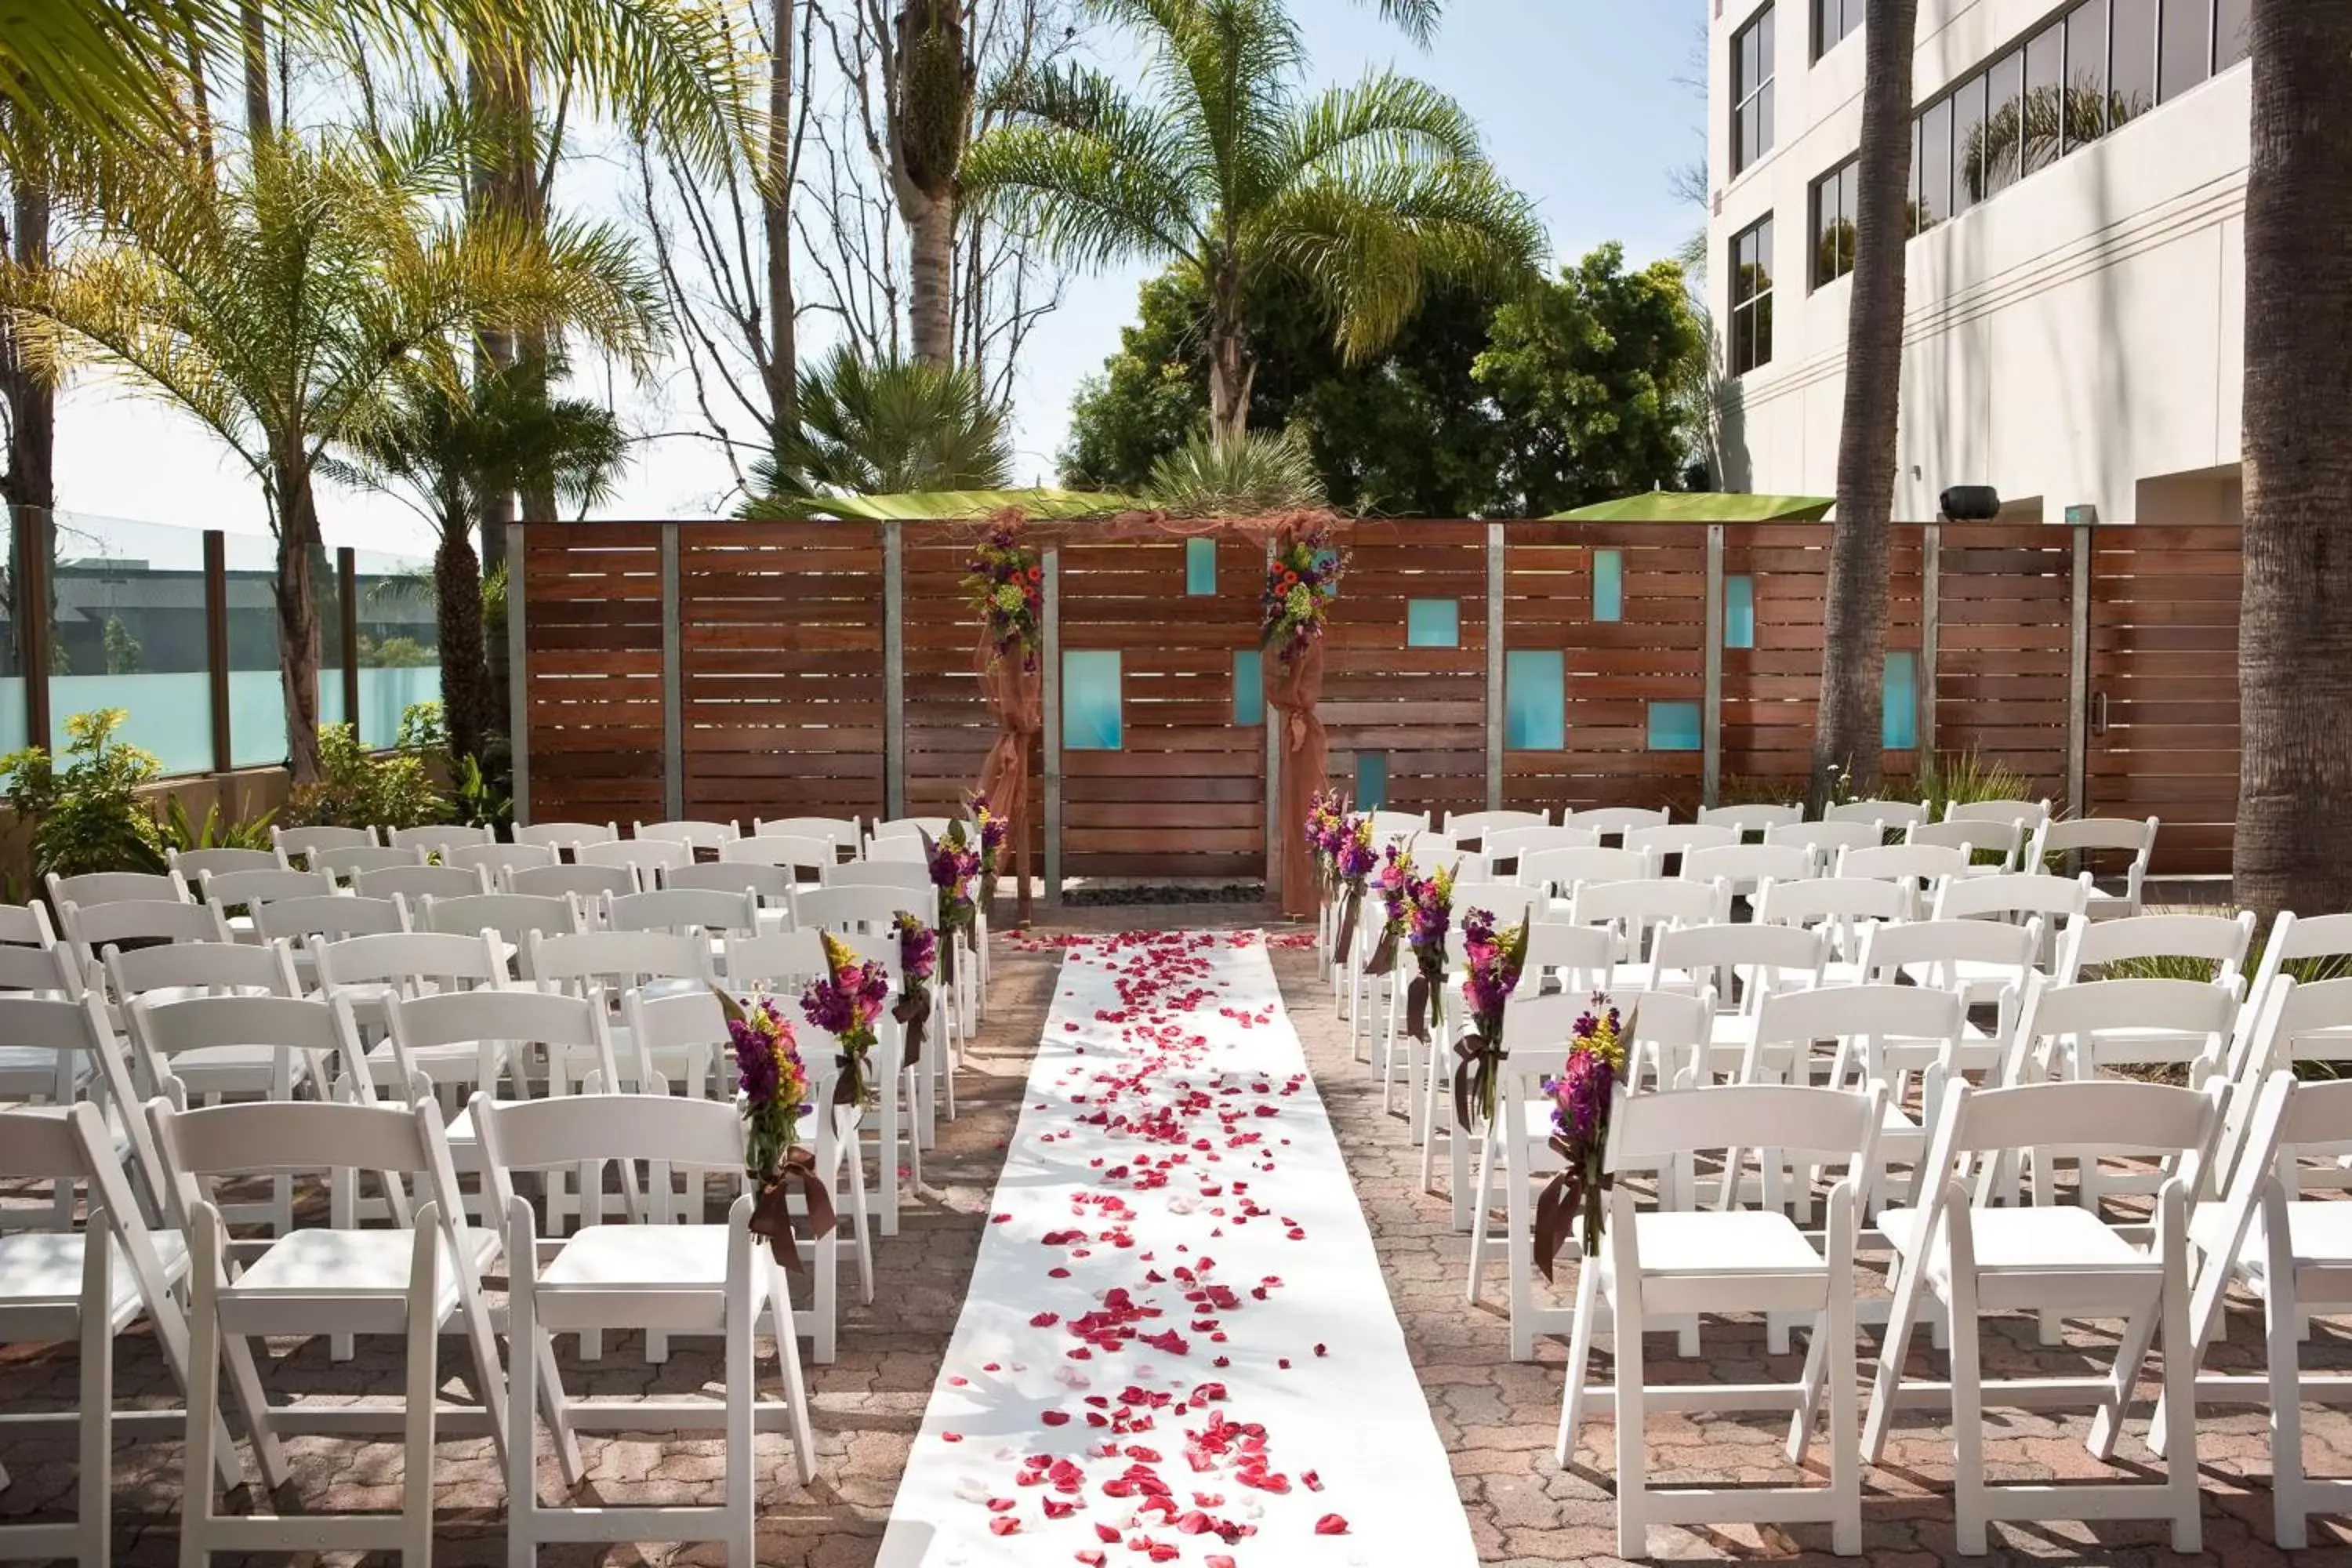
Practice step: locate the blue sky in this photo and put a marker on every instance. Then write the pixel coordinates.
(1584, 106)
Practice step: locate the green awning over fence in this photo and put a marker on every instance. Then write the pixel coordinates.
(931, 506)
(1701, 506)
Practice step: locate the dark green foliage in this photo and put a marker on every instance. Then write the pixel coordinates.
(86, 816)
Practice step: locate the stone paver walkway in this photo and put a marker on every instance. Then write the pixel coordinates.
(1497, 1418)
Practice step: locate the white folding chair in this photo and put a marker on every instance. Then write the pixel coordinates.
(509, 917)
(1758, 818)
(89, 931)
(347, 863)
(2095, 836)
(772, 886)
(1920, 865)
(249, 890)
(1840, 908)
(435, 837)
(192, 863)
(2050, 1257)
(1560, 871)
(870, 909)
(95, 888)
(2319, 946)
(1743, 868)
(410, 1280)
(494, 862)
(2155, 943)
(1473, 826)
(707, 910)
(700, 835)
(1826, 840)
(2031, 812)
(647, 858)
(1974, 836)
(671, 1278)
(1668, 1263)
(562, 835)
(61, 1045)
(842, 832)
(903, 847)
(791, 852)
(1679, 839)
(614, 964)
(359, 972)
(906, 877)
(1610, 820)
(588, 884)
(299, 843)
(1895, 814)
(1637, 909)
(1740, 965)
(1986, 962)
(418, 883)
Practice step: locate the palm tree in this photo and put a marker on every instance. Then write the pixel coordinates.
(1846, 733)
(885, 429)
(2294, 621)
(444, 445)
(1261, 473)
(1369, 192)
(279, 309)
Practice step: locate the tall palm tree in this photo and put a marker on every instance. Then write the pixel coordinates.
(1370, 193)
(1847, 729)
(444, 445)
(2295, 622)
(885, 429)
(279, 309)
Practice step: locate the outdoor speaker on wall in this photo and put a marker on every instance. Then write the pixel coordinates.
(1971, 503)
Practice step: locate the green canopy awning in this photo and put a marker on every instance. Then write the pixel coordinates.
(929, 506)
(1701, 506)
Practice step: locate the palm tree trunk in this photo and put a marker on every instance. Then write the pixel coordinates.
(299, 546)
(931, 267)
(1847, 731)
(257, 119)
(930, 121)
(31, 477)
(465, 674)
(1230, 369)
(2293, 844)
(775, 215)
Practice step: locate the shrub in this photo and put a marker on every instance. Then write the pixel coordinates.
(215, 832)
(87, 816)
(357, 788)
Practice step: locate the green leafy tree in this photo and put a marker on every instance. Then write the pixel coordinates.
(885, 427)
(444, 445)
(281, 310)
(1370, 193)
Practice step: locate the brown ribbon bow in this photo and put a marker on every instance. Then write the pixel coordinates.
(1424, 1003)
(1383, 957)
(913, 1012)
(1575, 1193)
(1348, 923)
(772, 1218)
(1476, 1064)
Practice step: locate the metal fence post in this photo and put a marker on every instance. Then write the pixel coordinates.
(1931, 632)
(347, 592)
(893, 669)
(1496, 700)
(2078, 681)
(216, 646)
(673, 681)
(1710, 722)
(1271, 717)
(1051, 639)
(518, 671)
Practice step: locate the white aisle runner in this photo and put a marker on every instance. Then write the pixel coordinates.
(1178, 1346)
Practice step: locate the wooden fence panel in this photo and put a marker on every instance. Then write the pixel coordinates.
(590, 596)
(2005, 647)
(781, 671)
(1423, 710)
(1184, 795)
(1772, 688)
(1611, 671)
(2164, 687)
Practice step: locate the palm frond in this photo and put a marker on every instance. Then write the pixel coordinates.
(1263, 472)
(1088, 203)
(886, 428)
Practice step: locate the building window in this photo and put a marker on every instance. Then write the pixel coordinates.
(1090, 701)
(2002, 146)
(2045, 76)
(1740, 612)
(1200, 566)
(1931, 187)
(1433, 623)
(1833, 20)
(1833, 220)
(1898, 724)
(1535, 700)
(2082, 109)
(1673, 727)
(1608, 585)
(2231, 44)
(2131, 67)
(1751, 298)
(1751, 90)
(2184, 47)
(1249, 688)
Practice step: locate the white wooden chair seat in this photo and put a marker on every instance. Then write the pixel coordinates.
(28, 1072)
(2044, 1240)
(2318, 1237)
(364, 1272)
(234, 1069)
(619, 1262)
(1751, 1242)
(42, 1270)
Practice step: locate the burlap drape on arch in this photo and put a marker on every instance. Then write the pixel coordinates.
(1294, 685)
(1014, 690)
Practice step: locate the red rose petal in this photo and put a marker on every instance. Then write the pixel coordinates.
(1055, 1418)
(1331, 1524)
(1006, 1524)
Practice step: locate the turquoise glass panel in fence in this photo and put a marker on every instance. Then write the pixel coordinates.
(1090, 701)
(1200, 566)
(1898, 726)
(1249, 687)
(1673, 727)
(1433, 623)
(127, 630)
(1608, 585)
(1740, 612)
(1371, 781)
(1535, 701)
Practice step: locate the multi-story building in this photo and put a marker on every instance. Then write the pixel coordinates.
(2074, 325)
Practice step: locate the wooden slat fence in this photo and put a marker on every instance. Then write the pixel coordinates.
(785, 680)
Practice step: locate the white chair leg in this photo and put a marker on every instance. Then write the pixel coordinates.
(1892, 1353)
(2289, 1525)
(94, 1516)
(860, 1225)
(1633, 1454)
(742, 1466)
(1480, 1218)
(788, 1353)
(1968, 1503)
(2181, 1477)
(1845, 1440)
(522, 1434)
(423, 1383)
(1579, 1362)
(197, 1510)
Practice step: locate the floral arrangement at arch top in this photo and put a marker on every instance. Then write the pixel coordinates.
(1006, 585)
(1302, 578)
(1581, 1098)
(919, 951)
(845, 1003)
(1493, 962)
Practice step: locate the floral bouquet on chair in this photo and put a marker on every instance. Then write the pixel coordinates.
(772, 1085)
(1325, 824)
(1429, 915)
(919, 951)
(1351, 863)
(1582, 1097)
(954, 862)
(1394, 885)
(1496, 960)
(993, 829)
(845, 1003)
